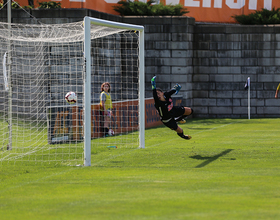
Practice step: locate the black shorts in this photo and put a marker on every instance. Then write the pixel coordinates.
(177, 112)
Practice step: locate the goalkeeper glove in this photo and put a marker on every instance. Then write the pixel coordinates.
(177, 87)
(153, 82)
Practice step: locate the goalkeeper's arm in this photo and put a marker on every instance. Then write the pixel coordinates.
(175, 90)
(277, 91)
(153, 82)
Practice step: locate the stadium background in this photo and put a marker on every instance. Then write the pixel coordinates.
(210, 60)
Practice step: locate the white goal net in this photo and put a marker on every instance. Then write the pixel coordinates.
(40, 64)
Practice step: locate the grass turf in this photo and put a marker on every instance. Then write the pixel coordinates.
(228, 170)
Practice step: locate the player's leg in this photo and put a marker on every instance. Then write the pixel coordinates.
(180, 132)
(102, 122)
(106, 125)
(183, 112)
(173, 126)
(188, 111)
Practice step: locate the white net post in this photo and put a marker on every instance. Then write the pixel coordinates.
(115, 54)
(141, 91)
(87, 94)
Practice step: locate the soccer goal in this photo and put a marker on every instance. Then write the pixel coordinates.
(41, 63)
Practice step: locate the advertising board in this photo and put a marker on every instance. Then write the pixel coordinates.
(65, 123)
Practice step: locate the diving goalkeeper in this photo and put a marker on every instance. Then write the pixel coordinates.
(277, 91)
(169, 114)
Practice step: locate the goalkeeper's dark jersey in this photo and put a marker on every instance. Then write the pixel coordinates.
(164, 108)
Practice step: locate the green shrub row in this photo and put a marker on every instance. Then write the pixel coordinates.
(259, 17)
(126, 8)
(48, 5)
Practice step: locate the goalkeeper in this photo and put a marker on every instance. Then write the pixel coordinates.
(277, 91)
(168, 113)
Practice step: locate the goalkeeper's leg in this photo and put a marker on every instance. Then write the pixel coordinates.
(188, 111)
(180, 132)
(173, 126)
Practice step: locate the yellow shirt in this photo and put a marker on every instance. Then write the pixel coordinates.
(106, 97)
(278, 88)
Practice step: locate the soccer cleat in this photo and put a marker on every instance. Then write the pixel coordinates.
(183, 121)
(187, 137)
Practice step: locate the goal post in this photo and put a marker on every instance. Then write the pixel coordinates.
(88, 22)
(43, 62)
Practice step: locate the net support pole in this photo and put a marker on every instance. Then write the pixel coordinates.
(249, 88)
(87, 93)
(141, 90)
(10, 114)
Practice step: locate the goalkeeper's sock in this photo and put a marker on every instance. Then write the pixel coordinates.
(187, 137)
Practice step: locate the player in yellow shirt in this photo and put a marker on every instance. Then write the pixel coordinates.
(277, 90)
(106, 106)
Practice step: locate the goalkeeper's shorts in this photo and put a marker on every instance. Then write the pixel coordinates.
(176, 112)
(170, 123)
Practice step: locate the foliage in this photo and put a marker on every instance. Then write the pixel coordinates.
(14, 5)
(129, 7)
(260, 17)
(45, 5)
(48, 5)
(28, 6)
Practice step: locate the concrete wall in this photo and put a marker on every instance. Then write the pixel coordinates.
(210, 61)
(168, 52)
(224, 56)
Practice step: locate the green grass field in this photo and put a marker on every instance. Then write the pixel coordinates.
(229, 170)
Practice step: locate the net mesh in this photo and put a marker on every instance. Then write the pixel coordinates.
(41, 63)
